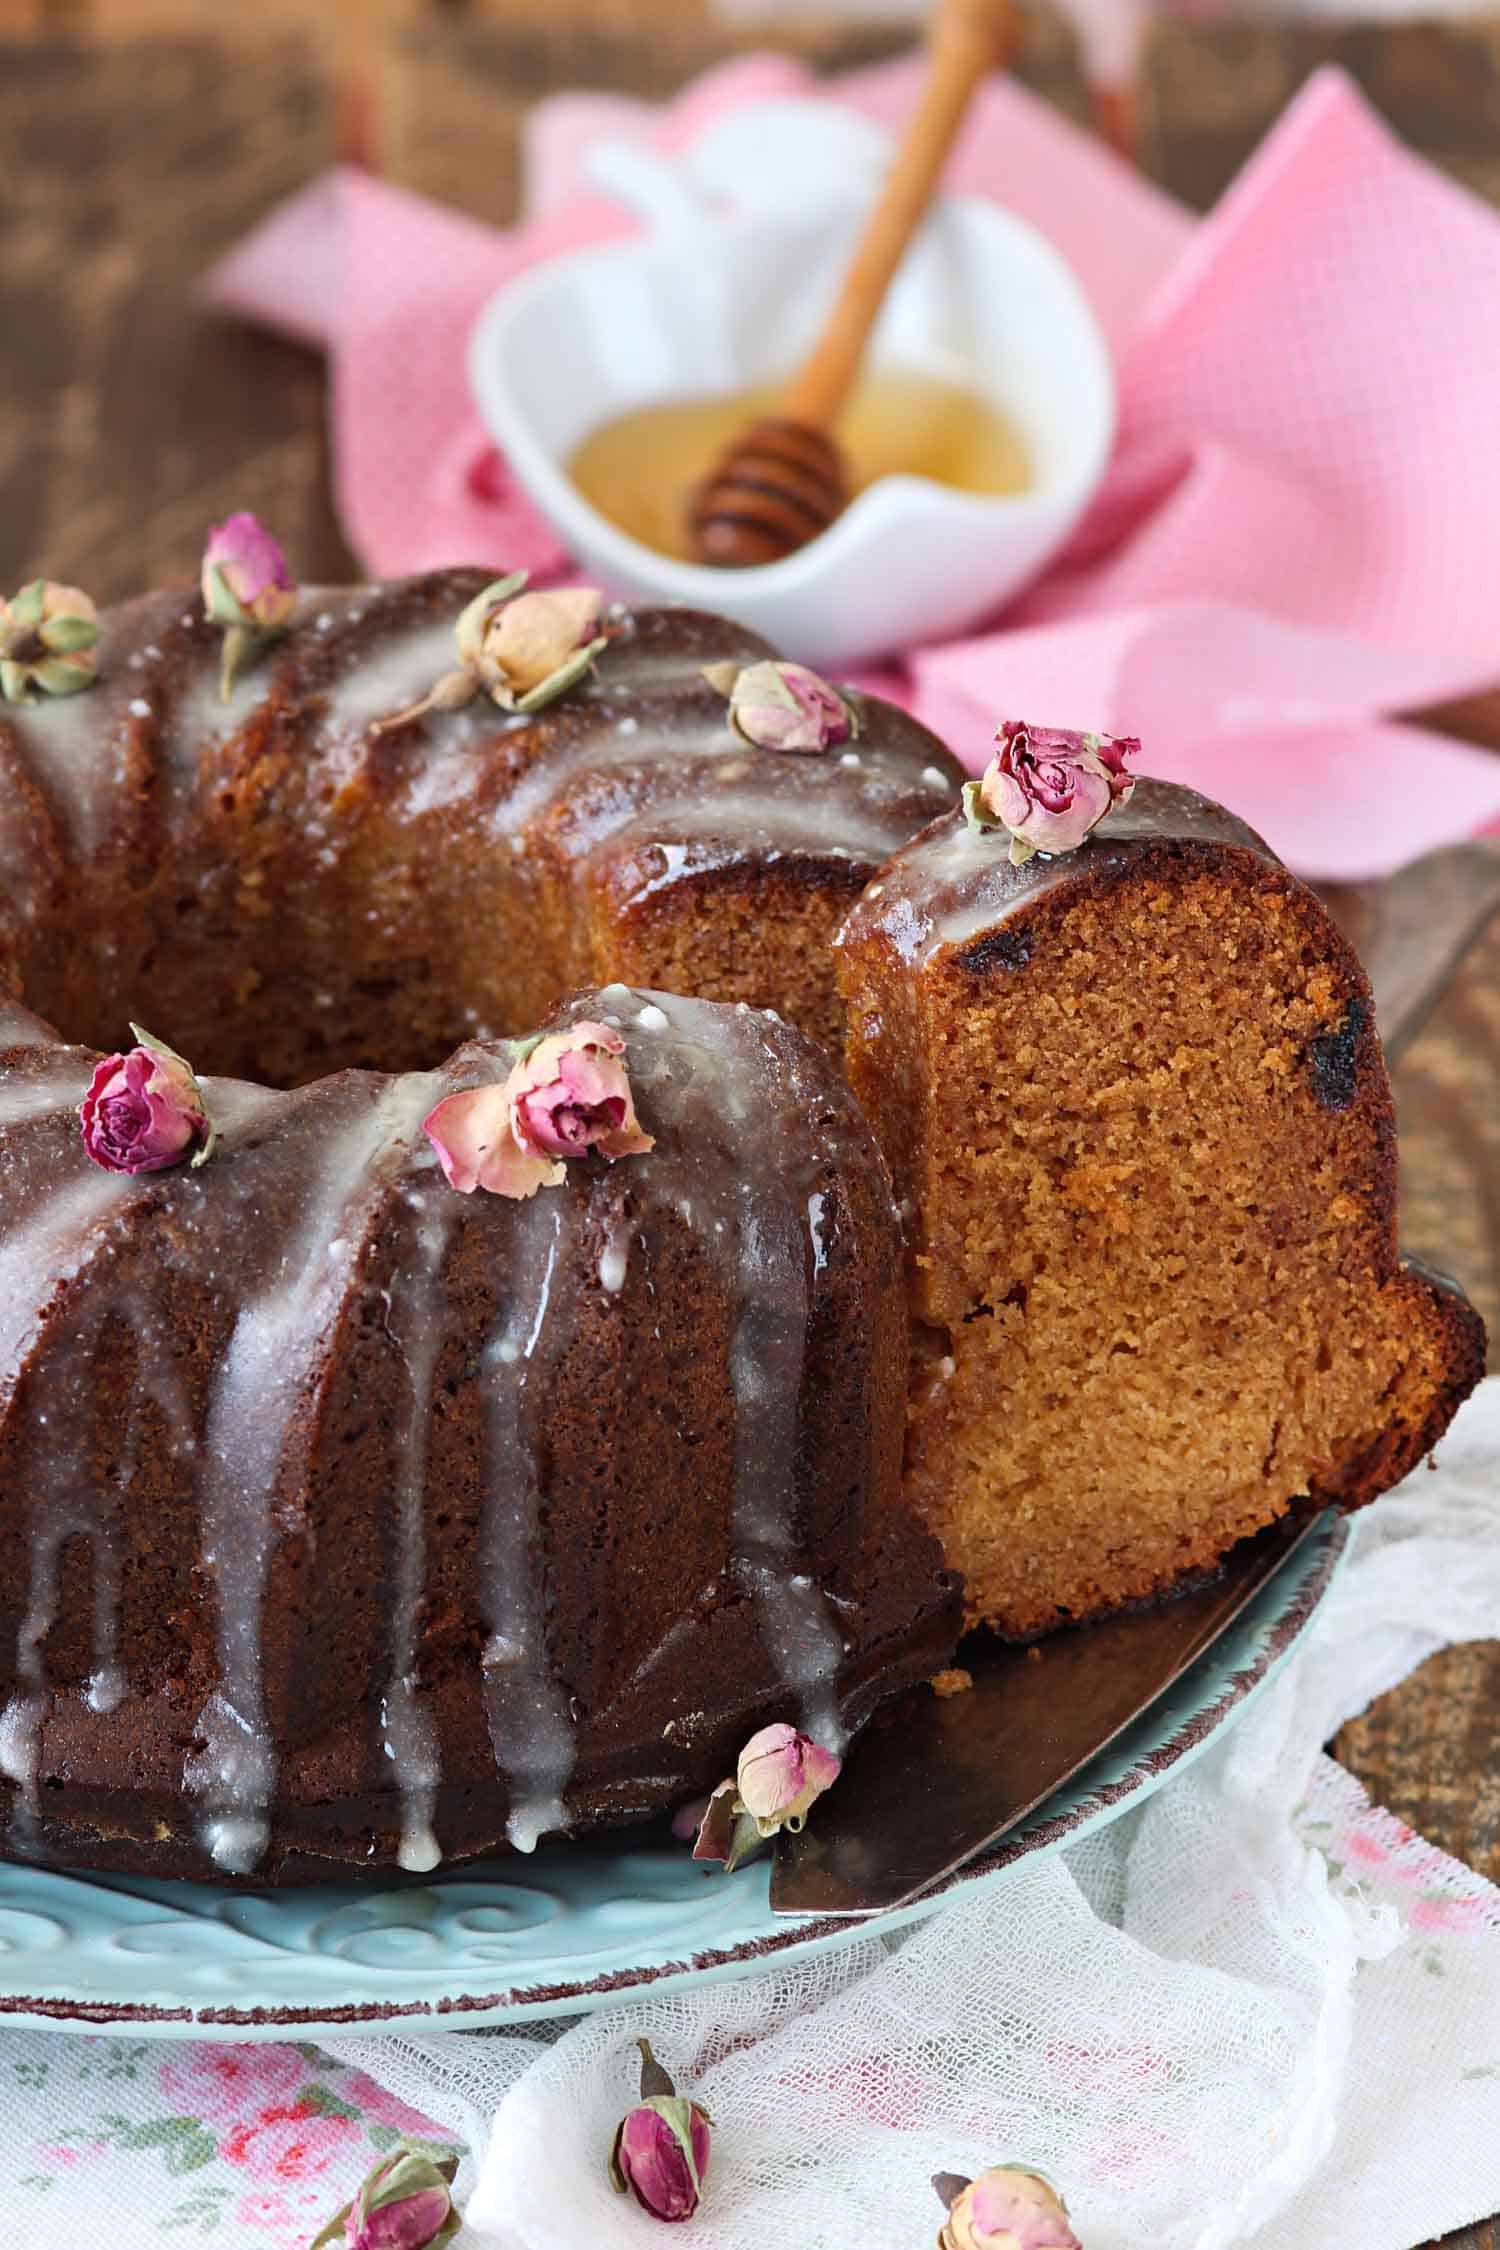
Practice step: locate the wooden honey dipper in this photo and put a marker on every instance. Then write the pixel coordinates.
(783, 480)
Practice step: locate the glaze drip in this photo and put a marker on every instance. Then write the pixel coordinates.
(526, 1710)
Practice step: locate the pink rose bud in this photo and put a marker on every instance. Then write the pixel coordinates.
(48, 634)
(1049, 787)
(522, 650)
(247, 588)
(781, 1774)
(144, 1110)
(779, 706)
(403, 2204)
(565, 1094)
(661, 2147)
(1010, 2207)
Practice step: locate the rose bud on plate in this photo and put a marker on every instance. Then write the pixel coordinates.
(781, 1774)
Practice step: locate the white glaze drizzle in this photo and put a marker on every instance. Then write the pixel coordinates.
(414, 1324)
(531, 1732)
(755, 1227)
(258, 1386)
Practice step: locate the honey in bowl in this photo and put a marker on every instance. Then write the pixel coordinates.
(640, 470)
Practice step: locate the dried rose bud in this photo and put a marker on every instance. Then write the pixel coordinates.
(248, 589)
(724, 1832)
(1049, 787)
(565, 1094)
(48, 637)
(144, 1110)
(522, 650)
(778, 706)
(661, 2147)
(781, 1774)
(1010, 2207)
(403, 2204)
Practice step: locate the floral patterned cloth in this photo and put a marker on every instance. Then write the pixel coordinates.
(121, 2141)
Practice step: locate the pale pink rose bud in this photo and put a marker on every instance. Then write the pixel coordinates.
(565, 1094)
(781, 1774)
(523, 647)
(1010, 2207)
(402, 2204)
(661, 2148)
(144, 1110)
(777, 706)
(247, 588)
(522, 650)
(1049, 787)
(48, 636)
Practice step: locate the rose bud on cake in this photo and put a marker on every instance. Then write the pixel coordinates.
(565, 1094)
(402, 2204)
(1048, 787)
(661, 2147)
(248, 589)
(777, 706)
(48, 637)
(1010, 2207)
(781, 1775)
(144, 1110)
(522, 650)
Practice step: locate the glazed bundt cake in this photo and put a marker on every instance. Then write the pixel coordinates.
(1138, 1116)
(386, 1483)
(350, 1519)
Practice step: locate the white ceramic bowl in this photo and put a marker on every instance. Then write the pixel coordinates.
(745, 242)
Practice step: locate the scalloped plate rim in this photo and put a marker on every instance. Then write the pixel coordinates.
(735, 1935)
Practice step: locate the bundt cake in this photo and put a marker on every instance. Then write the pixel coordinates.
(385, 1482)
(1138, 1117)
(350, 1519)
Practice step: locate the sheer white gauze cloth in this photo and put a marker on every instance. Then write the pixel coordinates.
(1256, 2010)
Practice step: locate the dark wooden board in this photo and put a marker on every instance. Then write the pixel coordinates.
(1209, 91)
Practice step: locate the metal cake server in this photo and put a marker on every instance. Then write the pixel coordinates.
(933, 1781)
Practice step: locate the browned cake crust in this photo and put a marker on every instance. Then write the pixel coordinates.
(1134, 1102)
(293, 891)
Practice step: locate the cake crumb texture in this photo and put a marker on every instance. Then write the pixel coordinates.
(1149, 1150)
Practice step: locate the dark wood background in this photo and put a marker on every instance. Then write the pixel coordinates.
(138, 139)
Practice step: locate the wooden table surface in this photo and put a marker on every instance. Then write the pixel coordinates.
(129, 420)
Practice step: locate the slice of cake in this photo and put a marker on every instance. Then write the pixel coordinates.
(1134, 1101)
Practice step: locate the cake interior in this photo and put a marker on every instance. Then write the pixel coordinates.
(1156, 1289)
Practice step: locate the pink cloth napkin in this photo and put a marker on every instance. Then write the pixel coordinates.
(1294, 541)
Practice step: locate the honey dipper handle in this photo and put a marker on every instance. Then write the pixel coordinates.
(969, 37)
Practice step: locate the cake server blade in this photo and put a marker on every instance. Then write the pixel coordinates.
(932, 1781)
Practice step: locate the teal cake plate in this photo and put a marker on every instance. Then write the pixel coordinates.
(573, 1927)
